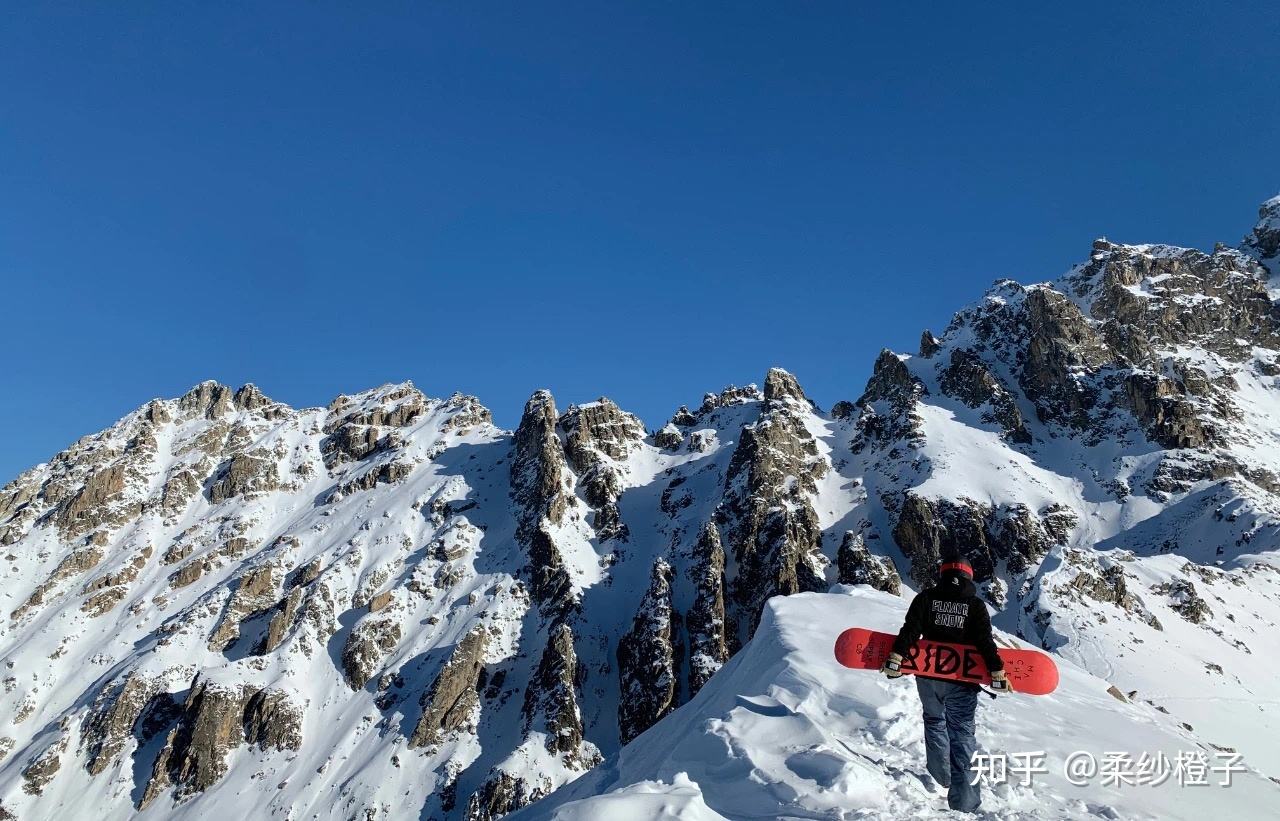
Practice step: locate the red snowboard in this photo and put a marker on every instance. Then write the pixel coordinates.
(1029, 671)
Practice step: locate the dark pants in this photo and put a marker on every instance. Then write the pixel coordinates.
(949, 707)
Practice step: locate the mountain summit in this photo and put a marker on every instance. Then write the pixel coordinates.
(389, 607)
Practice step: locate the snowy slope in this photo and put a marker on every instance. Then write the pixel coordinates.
(785, 732)
(389, 607)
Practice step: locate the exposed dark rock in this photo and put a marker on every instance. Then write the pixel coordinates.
(732, 395)
(596, 436)
(769, 520)
(254, 593)
(683, 417)
(74, 564)
(245, 474)
(539, 487)
(551, 704)
(387, 473)
(1060, 346)
(283, 619)
(42, 767)
(194, 756)
(968, 379)
(929, 344)
(353, 442)
(1109, 586)
(669, 437)
(208, 399)
(99, 502)
(1264, 241)
(367, 644)
(110, 723)
(926, 528)
(1160, 404)
(1186, 601)
(886, 409)
(502, 794)
(647, 661)
(273, 721)
(844, 409)
(465, 413)
(451, 700)
(706, 620)
(1164, 297)
(857, 566)
(780, 386)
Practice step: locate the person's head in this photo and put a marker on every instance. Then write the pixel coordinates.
(954, 568)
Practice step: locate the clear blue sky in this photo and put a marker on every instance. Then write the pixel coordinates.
(645, 201)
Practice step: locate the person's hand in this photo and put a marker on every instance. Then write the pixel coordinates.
(999, 682)
(892, 667)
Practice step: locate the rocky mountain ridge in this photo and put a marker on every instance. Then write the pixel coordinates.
(389, 607)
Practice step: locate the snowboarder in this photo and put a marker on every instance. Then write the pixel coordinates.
(950, 611)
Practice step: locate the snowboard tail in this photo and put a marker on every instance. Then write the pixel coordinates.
(1028, 671)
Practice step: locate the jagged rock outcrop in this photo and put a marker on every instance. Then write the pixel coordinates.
(250, 472)
(387, 473)
(886, 409)
(669, 437)
(929, 344)
(273, 721)
(767, 513)
(283, 618)
(647, 659)
(501, 795)
(968, 379)
(1264, 241)
(780, 386)
(1160, 297)
(107, 590)
(1185, 600)
(1108, 584)
(1170, 419)
(110, 724)
(1061, 344)
(539, 486)
(194, 755)
(42, 767)
(208, 399)
(370, 640)
(551, 703)
(254, 593)
(357, 428)
(705, 623)
(597, 436)
(215, 720)
(986, 535)
(451, 701)
(857, 566)
(729, 397)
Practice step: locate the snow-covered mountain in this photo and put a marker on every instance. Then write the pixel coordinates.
(391, 608)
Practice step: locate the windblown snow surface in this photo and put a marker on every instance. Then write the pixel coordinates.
(786, 732)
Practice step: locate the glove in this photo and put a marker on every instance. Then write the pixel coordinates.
(999, 682)
(892, 667)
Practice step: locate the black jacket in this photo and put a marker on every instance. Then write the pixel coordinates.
(950, 611)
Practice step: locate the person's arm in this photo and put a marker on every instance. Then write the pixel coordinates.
(911, 627)
(982, 638)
